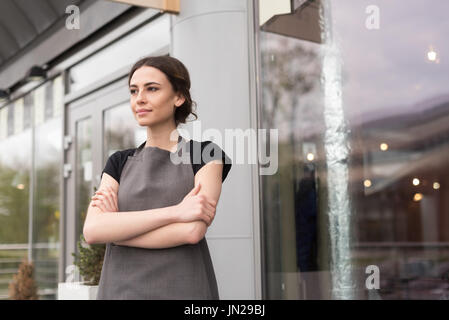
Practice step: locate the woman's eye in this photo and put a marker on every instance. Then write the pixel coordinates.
(134, 91)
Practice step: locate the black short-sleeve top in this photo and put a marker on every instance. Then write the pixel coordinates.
(208, 151)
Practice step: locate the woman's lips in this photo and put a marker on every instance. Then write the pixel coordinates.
(143, 112)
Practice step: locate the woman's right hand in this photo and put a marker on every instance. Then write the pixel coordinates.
(196, 207)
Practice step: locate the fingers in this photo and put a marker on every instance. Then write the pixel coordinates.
(113, 198)
(208, 210)
(209, 206)
(209, 214)
(108, 198)
(210, 201)
(100, 196)
(195, 190)
(206, 219)
(207, 201)
(210, 217)
(103, 199)
(100, 205)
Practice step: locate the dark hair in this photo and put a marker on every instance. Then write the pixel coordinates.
(178, 75)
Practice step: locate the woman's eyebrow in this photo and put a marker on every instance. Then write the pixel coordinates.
(146, 84)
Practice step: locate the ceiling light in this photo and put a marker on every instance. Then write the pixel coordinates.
(432, 55)
(35, 73)
(4, 95)
(310, 156)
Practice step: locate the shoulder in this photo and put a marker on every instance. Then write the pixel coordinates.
(202, 152)
(205, 148)
(121, 155)
(118, 158)
(116, 162)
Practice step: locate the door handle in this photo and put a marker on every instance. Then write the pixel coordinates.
(67, 170)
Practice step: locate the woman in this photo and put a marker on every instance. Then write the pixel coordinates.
(153, 212)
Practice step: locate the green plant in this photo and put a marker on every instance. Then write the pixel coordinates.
(90, 261)
(23, 286)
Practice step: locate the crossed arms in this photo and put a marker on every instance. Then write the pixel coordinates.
(184, 223)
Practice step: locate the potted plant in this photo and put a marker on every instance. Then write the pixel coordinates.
(23, 286)
(88, 263)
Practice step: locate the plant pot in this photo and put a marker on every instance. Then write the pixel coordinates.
(76, 291)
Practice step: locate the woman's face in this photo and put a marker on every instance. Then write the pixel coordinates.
(153, 100)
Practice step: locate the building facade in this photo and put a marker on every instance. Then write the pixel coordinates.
(344, 104)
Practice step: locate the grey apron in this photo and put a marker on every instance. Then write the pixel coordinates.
(150, 180)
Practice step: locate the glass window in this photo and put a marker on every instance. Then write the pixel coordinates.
(121, 130)
(363, 120)
(84, 171)
(141, 42)
(16, 154)
(15, 165)
(46, 211)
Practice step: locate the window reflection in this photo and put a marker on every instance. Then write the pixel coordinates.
(46, 211)
(15, 167)
(83, 180)
(121, 130)
(364, 136)
(15, 187)
(16, 154)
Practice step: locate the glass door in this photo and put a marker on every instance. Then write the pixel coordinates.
(98, 125)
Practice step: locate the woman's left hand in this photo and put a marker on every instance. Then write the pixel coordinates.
(105, 199)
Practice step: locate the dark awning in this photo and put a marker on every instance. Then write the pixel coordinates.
(22, 21)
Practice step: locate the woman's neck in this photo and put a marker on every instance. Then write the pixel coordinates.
(161, 138)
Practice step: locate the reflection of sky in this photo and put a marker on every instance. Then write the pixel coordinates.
(388, 67)
(19, 151)
(48, 146)
(48, 142)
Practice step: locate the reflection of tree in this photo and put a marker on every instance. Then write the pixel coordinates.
(46, 202)
(119, 138)
(84, 194)
(119, 131)
(14, 207)
(83, 187)
(290, 71)
(46, 206)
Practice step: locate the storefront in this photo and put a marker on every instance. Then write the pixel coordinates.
(357, 206)
(357, 91)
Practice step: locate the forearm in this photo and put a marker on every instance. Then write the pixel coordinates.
(168, 236)
(104, 227)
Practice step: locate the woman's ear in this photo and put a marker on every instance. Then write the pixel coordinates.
(179, 100)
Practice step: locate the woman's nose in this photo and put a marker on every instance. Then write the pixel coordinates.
(141, 97)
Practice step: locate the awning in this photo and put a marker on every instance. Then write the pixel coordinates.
(23, 21)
